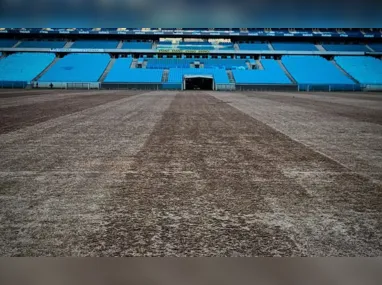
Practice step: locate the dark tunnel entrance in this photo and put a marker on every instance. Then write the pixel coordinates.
(198, 83)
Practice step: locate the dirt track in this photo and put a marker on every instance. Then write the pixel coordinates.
(192, 174)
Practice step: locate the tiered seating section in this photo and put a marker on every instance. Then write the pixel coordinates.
(42, 44)
(23, 66)
(193, 45)
(376, 47)
(343, 47)
(224, 63)
(196, 46)
(253, 46)
(86, 67)
(294, 46)
(121, 72)
(95, 44)
(271, 74)
(365, 69)
(163, 63)
(136, 45)
(77, 68)
(315, 70)
(5, 43)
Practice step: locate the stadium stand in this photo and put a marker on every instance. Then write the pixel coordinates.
(5, 43)
(253, 46)
(122, 73)
(96, 44)
(176, 74)
(376, 47)
(163, 63)
(23, 66)
(365, 69)
(314, 70)
(42, 44)
(345, 47)
(136, 45)
(224, 63)
(77, 68)
(186, 45)
(300, 46)
(271, 74)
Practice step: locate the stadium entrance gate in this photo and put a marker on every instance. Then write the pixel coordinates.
(198, 82)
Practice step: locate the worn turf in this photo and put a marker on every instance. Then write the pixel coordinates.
(192, 174)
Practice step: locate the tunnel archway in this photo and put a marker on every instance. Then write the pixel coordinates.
(198, 82)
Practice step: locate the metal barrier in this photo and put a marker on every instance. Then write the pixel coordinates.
(66, 85)
(131, 86)
(266, 87)
(13, 84)
(225, 87)
(329, 87)
(372, 87)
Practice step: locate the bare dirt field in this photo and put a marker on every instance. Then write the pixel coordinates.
(125, 173)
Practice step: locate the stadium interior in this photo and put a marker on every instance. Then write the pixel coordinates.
(217, 59)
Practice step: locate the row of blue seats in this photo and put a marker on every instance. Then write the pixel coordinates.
(376, 47)
(42, 44)
(24, 66)
(5, 43)
(77, 67)
(111, 44)
(364, 69)
(314, 70)
(121, 72)
(294, 46)
(271, 74)
(89, 68)
(345, 47)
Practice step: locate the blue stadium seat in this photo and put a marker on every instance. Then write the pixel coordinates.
(96, 44)
(42, 44)
(294, 46)
(163, 63)
(343, 47)
(223, 63)
(314, 70)
(121, 73)
(77, 67)
(272, 74)
(376, 47)
(253, 46)
(365, 69)
(5, 43)
(176, 74)
(137, 45)
(24, 66)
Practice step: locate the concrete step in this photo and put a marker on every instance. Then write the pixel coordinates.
(17, 44)
(370, 48)
(68, 44)
(230, 76)
(236, 46)
(344, 72)
(259, 65)
(165, 75)
(107, 70)
(270, 46)
(120, 44)
(134, 63)
(287, 72)
(320, 47)
(46, 69)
